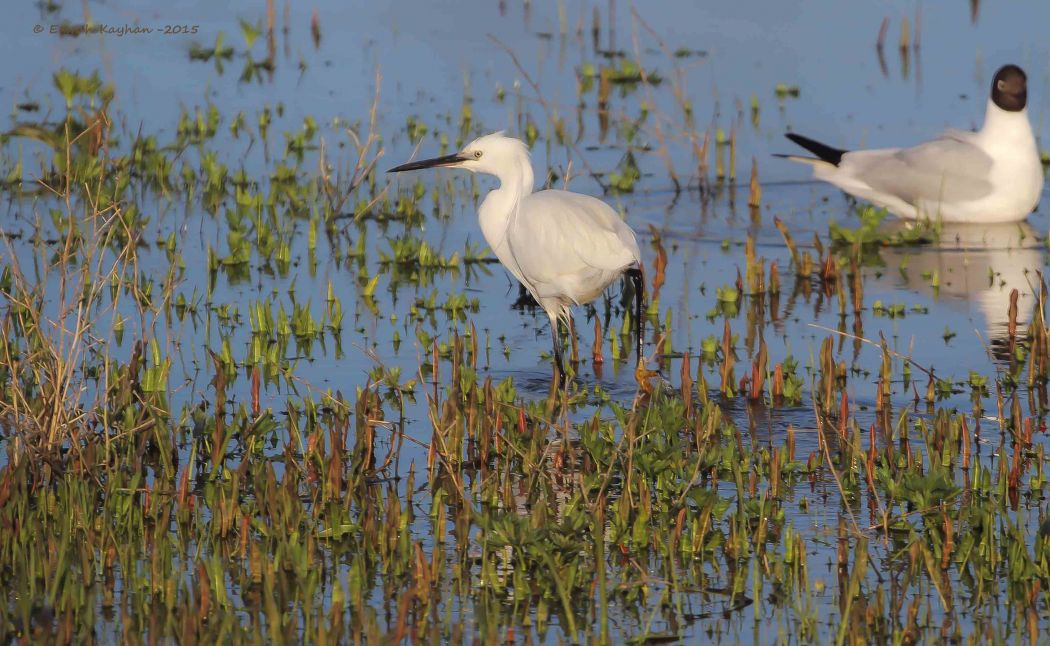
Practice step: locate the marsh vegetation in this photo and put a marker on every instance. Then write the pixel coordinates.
(252, 389)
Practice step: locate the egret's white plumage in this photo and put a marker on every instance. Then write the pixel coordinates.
(992, 175)
(565, 248)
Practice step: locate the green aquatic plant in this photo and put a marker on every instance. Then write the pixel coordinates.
(869, 233)
(249, 393)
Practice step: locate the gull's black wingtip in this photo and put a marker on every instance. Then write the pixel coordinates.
(823, 151)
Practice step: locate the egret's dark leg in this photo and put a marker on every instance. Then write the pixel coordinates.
(635, 274)
(525, 299)
(557, 348)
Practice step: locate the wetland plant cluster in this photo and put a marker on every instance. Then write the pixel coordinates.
(174, 470)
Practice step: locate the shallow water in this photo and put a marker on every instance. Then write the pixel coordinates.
(432, 59)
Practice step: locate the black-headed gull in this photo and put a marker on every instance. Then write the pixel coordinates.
(992, 175)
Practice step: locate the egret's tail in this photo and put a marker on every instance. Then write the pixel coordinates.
(824, 152)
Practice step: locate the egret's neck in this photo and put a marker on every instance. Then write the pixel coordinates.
(501, 204)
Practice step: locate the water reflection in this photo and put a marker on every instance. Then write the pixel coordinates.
(909, 44)
(978, 264)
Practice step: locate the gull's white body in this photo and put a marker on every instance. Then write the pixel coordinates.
(990, 176)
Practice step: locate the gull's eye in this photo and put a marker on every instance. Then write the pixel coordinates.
(477, 154)
(1001, 85)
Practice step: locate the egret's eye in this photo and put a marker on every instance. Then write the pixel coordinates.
(477, 154)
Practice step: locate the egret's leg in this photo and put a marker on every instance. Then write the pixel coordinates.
(635, 275)
(557, 347)
(574, 351)
(525, 299)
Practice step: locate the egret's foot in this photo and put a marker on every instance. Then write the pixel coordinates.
(524, 301)
(644, 377)
(560, 379)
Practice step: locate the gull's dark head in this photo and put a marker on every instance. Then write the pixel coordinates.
(1010, 88)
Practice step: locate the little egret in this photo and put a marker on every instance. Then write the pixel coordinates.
(565, 248)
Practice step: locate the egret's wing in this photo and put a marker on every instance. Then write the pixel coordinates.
(558, 231)
(948, 169)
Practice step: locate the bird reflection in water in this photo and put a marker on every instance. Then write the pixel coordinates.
(981, 264)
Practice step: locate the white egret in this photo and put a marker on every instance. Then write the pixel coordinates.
(992, 175)
(564, 247)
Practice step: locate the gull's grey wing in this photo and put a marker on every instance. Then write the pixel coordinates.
(949, 169)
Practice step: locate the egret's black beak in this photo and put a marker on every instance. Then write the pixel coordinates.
(447, 160)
